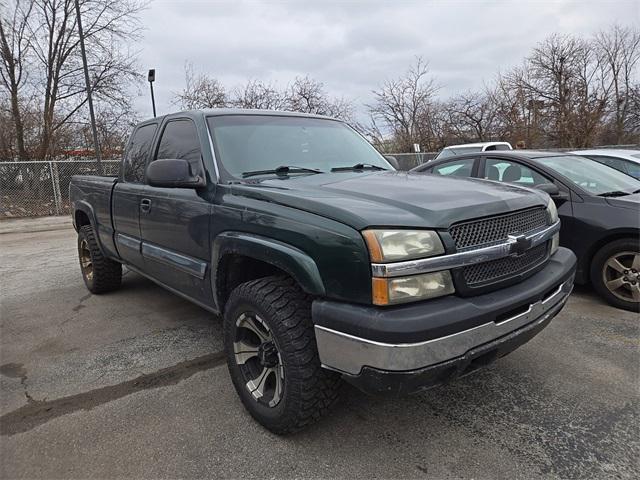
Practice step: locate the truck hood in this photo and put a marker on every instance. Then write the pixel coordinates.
(366, 199)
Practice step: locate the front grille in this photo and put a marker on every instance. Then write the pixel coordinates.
(492, 230)
(496, 229)
(496, 270)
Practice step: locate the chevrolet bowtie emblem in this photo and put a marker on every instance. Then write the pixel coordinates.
(519, 244)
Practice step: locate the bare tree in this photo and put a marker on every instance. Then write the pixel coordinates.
(15, 40)
(256, 94)
(618, 49)
(633, 119)
(589, 102)
(402, 107)
(110, 24)
(201, 91)
(471, 116)
(309, 96)
(304, 94)
(552, 71)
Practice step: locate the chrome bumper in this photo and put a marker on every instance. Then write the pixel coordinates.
(348, 354)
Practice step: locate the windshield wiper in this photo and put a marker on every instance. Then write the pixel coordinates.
(358, 166)
(281, 170)
(615, 193)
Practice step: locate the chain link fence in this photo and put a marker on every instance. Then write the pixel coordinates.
(35, 189)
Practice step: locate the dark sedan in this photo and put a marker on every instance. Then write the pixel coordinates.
(599, 208)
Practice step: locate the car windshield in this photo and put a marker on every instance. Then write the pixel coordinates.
(260, 144)
(590, 175)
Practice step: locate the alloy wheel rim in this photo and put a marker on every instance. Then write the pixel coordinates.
(86, 264)
(621, 276)
(257, 355)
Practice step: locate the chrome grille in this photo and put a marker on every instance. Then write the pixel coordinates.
(496, 229)
(502, 268)
(492, 230)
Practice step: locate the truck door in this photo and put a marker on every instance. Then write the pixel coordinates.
(127, 195)
(174, 222)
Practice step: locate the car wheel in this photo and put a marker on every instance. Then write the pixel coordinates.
(615, 273)
(100, 274)
(272, 355)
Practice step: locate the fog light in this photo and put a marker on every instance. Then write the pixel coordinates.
(388, 291)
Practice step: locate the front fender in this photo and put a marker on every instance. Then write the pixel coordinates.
(290, 259)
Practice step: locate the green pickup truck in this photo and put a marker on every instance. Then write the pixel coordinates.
(325, 262)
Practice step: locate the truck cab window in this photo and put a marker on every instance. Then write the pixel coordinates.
(135, 158)
(180, 140)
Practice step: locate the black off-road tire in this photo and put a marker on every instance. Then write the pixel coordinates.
(103, 274)
(623, 248)
(308, 390)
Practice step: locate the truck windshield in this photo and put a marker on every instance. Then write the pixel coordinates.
(592, 176)
(252, 143)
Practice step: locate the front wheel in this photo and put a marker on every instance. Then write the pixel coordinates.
(272, 355)
(615, 273)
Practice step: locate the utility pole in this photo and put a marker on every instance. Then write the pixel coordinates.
(88, 84)
(152, 78)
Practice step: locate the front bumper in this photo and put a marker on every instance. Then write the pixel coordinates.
(404, 349)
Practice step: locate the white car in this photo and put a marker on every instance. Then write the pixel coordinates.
(627, 161)
(452, 150)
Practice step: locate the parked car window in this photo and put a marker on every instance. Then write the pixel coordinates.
(459, 168)
(450, 151)
(590, 175)
(502, 170)
(180, 140)
(612, 162)
(633, 169)
(497, 147)
(135, 157)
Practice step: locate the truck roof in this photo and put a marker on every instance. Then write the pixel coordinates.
(210, 112)
(480, 144)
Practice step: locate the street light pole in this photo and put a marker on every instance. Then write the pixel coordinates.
(88, 85)
(152, 77)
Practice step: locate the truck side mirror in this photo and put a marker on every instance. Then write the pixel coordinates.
(173, 173)
(393, 161)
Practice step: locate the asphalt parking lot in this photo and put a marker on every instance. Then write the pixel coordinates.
(133, 384)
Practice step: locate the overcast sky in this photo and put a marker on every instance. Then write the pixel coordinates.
(353, 46)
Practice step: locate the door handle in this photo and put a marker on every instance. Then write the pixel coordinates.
(145, 205)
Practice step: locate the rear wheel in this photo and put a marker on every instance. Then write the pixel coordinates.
(272, 355)
(100, 274)
(615, 273)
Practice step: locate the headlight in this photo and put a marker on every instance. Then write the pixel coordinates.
(553, 215)
(395, 245)
(555, 243)
(388, 291)
(553, 211)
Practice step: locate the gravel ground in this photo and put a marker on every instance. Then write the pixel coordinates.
(133, 384)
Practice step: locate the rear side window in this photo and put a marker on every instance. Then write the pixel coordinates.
(180, 140)
(612, 162)
(135, 158)
(460, 168)
(513, 172)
